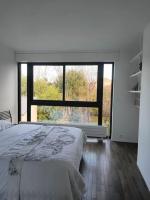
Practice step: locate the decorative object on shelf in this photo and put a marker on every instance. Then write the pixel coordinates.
(136, 87)
(140, 66)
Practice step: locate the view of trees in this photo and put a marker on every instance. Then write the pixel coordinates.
(106, 102)
(78, 87)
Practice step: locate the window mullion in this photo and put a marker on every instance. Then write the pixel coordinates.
(100, 92)
(19, 92)
(64, 74)
(29, 89)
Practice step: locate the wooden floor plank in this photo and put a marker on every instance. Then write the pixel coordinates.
(110, 172)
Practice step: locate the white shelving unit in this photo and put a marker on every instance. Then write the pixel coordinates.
(136, 57)
(135, 91)
(135, 78)
(136, 74)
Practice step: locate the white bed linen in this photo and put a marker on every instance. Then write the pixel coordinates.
(4, 124)
(43, 173)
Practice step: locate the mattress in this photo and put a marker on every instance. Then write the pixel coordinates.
(41, 162)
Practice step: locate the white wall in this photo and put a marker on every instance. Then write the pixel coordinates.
(125, 115)
(80, 56)
(144, 123)
(8, 81)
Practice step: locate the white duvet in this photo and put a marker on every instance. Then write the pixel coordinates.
(41, 163)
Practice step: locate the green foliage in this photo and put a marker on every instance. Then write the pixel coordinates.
(77, 87)
(59, 83)
(46, 113)
(24, 86)
(43, 90)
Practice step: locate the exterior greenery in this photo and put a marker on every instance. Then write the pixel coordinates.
(77, 88)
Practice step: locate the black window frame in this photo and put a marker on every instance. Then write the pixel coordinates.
(93, 104)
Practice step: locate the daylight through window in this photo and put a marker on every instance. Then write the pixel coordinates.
(66, 93)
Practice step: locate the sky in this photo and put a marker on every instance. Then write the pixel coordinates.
(107, 71)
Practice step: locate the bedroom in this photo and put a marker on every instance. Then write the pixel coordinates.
(86, 33)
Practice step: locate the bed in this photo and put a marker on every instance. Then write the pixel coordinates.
(41, 162)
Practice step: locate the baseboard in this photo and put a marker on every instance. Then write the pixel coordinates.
(128, 140)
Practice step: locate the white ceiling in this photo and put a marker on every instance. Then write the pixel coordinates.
(72, 25)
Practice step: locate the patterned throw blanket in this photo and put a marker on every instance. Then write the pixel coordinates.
(38, 146)
(50, 154)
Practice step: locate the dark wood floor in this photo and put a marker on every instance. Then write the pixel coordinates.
(110, 172)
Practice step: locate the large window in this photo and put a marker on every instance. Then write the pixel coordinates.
(78, 93)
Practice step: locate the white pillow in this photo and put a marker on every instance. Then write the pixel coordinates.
(4, 125)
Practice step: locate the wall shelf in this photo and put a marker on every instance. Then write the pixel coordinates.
(135, 91)
(136, 57)
(135, 77)
(136, 74)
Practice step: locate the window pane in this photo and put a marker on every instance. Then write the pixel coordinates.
(81, 82)
(59, 114)
(23, 92)
(107, 94)
(48, 82)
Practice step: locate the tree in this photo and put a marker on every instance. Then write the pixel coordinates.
(43, 90)
(106, 102)
(23, 86)
(77, 88)
(75, 85)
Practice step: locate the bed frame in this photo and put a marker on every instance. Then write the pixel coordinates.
(6, 115)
